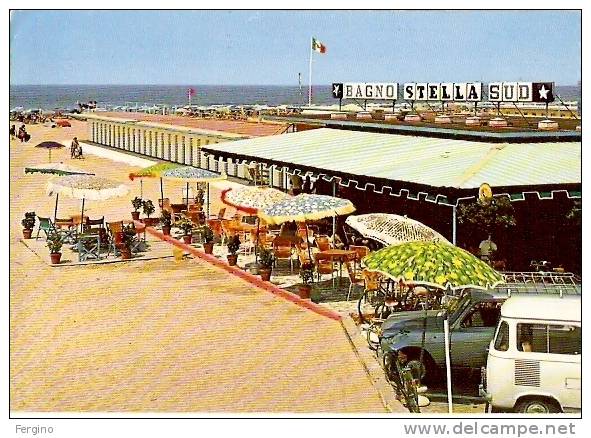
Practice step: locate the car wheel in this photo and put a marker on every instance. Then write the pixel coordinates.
(537, 406)
(425, 371)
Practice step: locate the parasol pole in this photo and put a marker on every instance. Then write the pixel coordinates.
(82, 218)
(142, 188)
(49, 150)
(307, 242)
(257, 241)
(207, 198)
(57, 196)
(188, 192)
(447, 363)
(334, 218)
(161, 193)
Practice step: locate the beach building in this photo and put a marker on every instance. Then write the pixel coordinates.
(426, 173)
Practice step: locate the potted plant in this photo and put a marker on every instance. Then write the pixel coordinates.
(233, 247)
(54, 243)
(137, 203)
(266, 260)
(28, 224)
(149, 208)
(208, 236)
(186, 226)
(307, 276)
(166, 221)
(128, 238)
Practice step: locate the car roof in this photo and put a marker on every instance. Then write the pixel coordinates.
(546, 307)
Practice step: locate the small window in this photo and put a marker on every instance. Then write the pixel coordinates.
(483, 315)
(502, 341)
(554, 339)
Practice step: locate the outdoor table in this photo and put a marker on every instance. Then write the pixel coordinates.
(339, 255)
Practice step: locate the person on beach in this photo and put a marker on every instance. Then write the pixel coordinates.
(12, 132)
(74, 147)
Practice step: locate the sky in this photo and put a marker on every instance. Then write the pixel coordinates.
(272, 47)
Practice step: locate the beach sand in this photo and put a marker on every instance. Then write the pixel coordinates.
(159, 335)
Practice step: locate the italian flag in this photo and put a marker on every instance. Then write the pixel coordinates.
(318, 46)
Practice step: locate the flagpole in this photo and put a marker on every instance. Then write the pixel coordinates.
(310, 75)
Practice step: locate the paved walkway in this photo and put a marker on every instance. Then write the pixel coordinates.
(161, 335)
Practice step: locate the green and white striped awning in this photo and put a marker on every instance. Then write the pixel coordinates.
(435, 162)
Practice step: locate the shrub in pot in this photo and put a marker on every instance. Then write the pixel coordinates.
(307, 276)
(199, 199)
(129, 234)
(233, 247)
(28, 224)
(266, 260)
(54, 243)
(137, 203)
(166, 222)
(208, 236)
(149, 209)
(186, 226)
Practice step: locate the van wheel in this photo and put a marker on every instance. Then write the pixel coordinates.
(537, 406)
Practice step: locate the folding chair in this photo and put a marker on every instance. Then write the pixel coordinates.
(283, 250)
(47, 226)
(67, 229)
(89, 247)
(115, 230)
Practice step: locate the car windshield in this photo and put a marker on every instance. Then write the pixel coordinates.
(457, 307)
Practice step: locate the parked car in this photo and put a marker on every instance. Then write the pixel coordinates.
(534, 361)
(472, 322)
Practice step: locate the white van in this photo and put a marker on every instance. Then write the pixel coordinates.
(534, 359)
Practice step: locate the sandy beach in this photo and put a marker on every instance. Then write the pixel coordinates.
(159, 335)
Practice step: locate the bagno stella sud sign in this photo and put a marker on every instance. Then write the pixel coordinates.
(446, 91)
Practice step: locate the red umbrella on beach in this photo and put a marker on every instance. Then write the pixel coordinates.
(63, 123)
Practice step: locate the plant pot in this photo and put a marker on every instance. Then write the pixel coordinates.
(55, 258)
(305, 291)
(166, 230)
(135, 215)
(188, 239)
(27, 233)
(232, 259)
(208, 247)
(125, 253)
(265, 273)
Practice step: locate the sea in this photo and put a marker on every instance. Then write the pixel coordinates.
(63, 97)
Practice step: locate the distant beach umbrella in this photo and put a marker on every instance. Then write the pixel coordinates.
(63, 123)
(252, 199)
(392, 229)
(153, 171)
(190, 174)
(86, 187)
(59, 169)
(49, 145)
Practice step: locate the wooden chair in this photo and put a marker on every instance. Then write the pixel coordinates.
(115, 236)
(323, 242)
(323, 265)
(96, 226)
(357, 278)
(228, 230)
(360, 252)
(67, 228)
(283, 250)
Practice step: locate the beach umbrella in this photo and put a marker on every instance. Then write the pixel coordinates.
(86, 187)
(305, 207)
(49, 145)
(63, 123)
(435, 264)
(189, 174)
(152, 171)
(59, 169)
(392, 229)
(252, 199)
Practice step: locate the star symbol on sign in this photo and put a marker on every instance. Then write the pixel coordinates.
(335, 89)
(543, 92)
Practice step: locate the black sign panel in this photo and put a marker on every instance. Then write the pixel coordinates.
(543, 92)
(337, 90)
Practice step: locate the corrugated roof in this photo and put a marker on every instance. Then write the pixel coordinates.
(435, 162)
